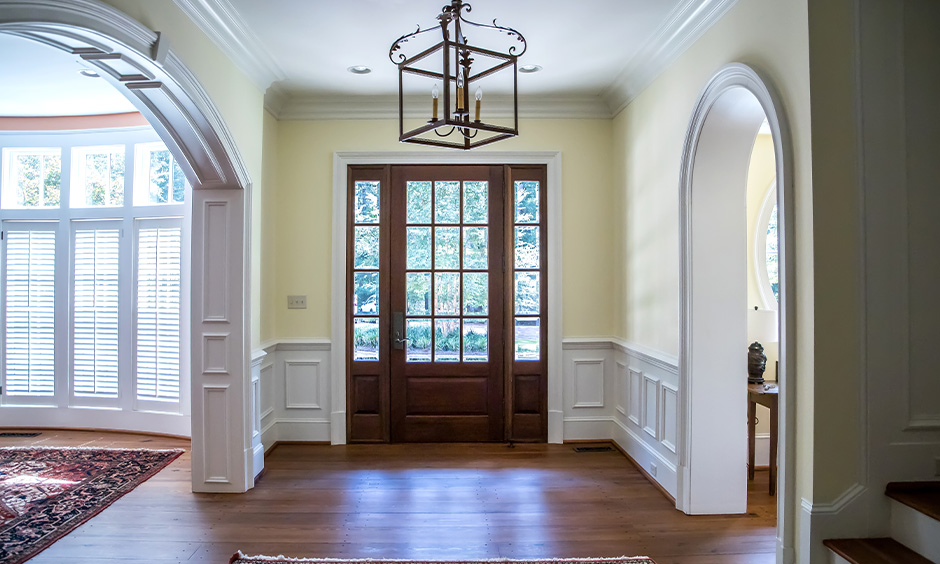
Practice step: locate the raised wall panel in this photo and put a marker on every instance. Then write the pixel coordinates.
(669, 417)
(215, 353)
(623, 388)
(215, 261)
(588, 383)
(651, 406)
(302, 384)
(215, 433)
(267, 390)
(635, 396)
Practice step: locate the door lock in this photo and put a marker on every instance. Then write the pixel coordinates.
(398, 329)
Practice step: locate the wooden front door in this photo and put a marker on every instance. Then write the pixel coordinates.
(440, 347)
(447, 304)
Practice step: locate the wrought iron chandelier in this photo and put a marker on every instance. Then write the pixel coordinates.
(455, 67)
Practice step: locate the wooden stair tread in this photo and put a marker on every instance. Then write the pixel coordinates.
(922, 496)
(875, 551)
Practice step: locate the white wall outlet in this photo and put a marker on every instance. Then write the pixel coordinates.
(296, 302)
(652, 468)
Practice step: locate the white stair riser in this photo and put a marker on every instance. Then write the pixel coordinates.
(917, 531)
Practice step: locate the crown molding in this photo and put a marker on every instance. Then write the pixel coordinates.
(285, 106)
(221, 22)
(688, 22)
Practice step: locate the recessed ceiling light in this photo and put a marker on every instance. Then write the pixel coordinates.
(89, 73)
(359, 69)
(529, 68)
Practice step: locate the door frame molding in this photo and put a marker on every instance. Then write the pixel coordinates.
(341, 160)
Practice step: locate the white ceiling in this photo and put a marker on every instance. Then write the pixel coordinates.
(38, 80)
(596, 54)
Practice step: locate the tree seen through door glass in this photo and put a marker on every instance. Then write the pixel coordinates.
(475, 293)
(446, 293)
(367, 202)
(475, 340)
(447, 248)
(418, 293)
(366, 247)
(419, 202)
(527, 201)
(447, 202)
(419, 340)
(527, 246)
(474, 248)
(475, 207)
(419, 248)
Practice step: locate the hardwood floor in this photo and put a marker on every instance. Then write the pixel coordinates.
(409, 501)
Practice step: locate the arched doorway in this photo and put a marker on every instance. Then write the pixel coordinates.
(714, 167)
(134, 60)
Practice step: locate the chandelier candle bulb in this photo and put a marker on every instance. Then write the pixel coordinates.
(479, 98)
(434, 95)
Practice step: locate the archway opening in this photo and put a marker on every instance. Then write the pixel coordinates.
(720, 142)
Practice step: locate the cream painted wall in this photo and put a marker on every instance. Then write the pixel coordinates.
(304, 214)
(239, 101)
(771, 36)
(266, 227)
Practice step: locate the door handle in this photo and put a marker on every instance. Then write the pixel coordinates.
(398, 330)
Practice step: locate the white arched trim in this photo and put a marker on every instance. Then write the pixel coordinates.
(726, 110)
(138, 62)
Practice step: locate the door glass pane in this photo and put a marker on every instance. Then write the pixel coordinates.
(447, 248)
(418, 332)
(366, 293)
(474, 245)
(527, 293)
(527, 201)
(475, 340)
(527, 246)
(476, 209)
(447, 293)
(366, 339)
(419, 248)
(475, 293)
(366, 247)
(527, 338)
(447, 340)
(367, 201)
(419, 202)
(418, 293)
(447, 202)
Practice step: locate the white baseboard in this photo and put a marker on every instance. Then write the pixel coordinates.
(312, 430)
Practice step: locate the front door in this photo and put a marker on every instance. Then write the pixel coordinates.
(434, 342)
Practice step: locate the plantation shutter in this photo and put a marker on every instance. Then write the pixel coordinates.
(158, 310)
(95, 312)
(29, 311)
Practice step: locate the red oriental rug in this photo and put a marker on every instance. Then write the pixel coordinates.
(47, 492)
(239, 558)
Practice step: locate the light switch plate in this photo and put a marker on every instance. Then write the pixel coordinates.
(296, 302)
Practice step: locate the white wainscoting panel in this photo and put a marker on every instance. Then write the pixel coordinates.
(215, 353)
(648, 431)
(669, 417)
(257, 447)
(589, 383)
(623, 388)
(634, 401)
(296, 405)
(302, 384)
(651, 406)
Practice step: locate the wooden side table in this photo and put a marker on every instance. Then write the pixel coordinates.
(767, 396)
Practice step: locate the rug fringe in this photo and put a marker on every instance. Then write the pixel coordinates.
(282, 558)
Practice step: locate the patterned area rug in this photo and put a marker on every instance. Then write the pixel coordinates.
(239, 558)
(47, 492)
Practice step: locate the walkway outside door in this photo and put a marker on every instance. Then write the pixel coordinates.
(446, 302)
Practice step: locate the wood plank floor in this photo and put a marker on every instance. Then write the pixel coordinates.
(409, 501)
